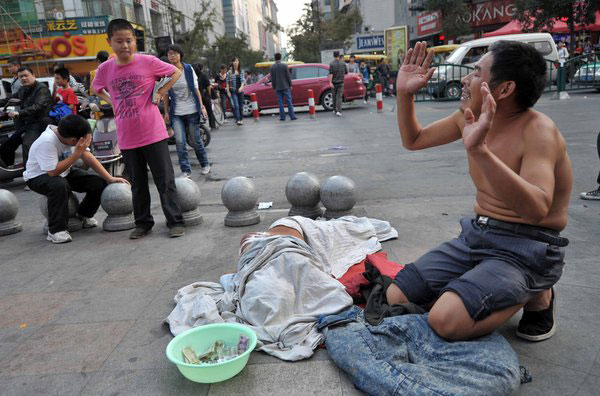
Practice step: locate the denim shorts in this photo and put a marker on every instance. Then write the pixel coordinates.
(489, 269)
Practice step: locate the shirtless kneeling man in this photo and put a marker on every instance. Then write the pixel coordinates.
(510, 254)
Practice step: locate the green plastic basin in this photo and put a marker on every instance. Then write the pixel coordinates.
(203, 337)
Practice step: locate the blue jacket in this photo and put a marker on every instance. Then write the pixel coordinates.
(188, 73)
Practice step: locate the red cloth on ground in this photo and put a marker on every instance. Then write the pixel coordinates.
(353, 279)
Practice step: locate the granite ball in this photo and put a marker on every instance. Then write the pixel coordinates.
(239, 194)
(338, 195)
(9, 208)
(188, 194)
(240, 197)
(117, 199)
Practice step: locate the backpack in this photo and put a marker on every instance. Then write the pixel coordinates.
(59, 111)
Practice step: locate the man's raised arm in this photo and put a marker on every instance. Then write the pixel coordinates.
(412, 76)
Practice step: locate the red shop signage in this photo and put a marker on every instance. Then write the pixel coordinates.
(428, 23)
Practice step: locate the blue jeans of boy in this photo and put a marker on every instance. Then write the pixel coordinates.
(181, 124)
(288, 97)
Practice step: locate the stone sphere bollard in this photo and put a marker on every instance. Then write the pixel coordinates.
(74, 224)
(240, 197)
(9, 207)
(117, 202)
(338, 196)
(188, 195)
(304, 192)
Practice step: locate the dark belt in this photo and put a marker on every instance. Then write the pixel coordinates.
(541, 234)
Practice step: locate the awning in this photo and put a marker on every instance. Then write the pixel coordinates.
(515, 27)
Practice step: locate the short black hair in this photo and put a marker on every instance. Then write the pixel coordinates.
(222, 67)
(118, 24)
(336, 54)
(102, 56)
(57, 65)
(25, 68)
(63, 72)
(177, 48)
(277, 56)
(521, 63)
(74, 126)
(14, 61)
(352, 57)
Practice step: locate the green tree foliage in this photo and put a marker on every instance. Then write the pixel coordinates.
(312, 32)
(540, 15)
(195, 42)
(452, 12)
(226, 48)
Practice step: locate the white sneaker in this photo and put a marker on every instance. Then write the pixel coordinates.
(205, 170)
(26, 188)
(59, 237)
(186, 175)
(365, 102)
(338, 114)
(88, 222)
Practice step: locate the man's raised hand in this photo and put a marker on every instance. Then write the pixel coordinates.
(474, 132)
(415, 71)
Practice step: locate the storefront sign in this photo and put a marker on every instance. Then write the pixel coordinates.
(372, 42)
(490, 13)
(429, 23)
(58, 38)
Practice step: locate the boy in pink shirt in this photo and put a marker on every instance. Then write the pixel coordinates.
(127, 82)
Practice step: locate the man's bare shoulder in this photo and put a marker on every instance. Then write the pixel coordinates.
(540, 130)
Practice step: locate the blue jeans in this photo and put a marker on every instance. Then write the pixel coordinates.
(288, 97)
(404, 356)
(237, 103)
(223, 99)
(181, 124)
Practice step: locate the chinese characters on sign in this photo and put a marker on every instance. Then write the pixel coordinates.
(61, 26)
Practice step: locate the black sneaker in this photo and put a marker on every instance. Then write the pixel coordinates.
(176, 231)
(139, 232)
(593, 195)
(538, 325)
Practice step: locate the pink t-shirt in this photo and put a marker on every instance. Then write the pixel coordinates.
(131, 86)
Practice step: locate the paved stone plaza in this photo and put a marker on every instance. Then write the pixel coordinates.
(86, 317)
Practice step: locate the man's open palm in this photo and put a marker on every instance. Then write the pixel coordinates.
(474, 132)
(415, 72)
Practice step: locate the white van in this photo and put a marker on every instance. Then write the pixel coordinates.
(446, 80)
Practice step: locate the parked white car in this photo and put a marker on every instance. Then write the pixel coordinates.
(446, 80)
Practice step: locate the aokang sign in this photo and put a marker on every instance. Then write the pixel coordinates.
(490, 13)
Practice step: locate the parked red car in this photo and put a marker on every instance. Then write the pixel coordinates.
(304, 77)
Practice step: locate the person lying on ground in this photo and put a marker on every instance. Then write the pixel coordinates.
(49, 173)
(510, 255)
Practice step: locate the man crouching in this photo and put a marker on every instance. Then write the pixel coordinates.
(49, 173)
(510, 254)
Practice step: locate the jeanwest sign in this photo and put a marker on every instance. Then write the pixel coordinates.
(490, 13)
